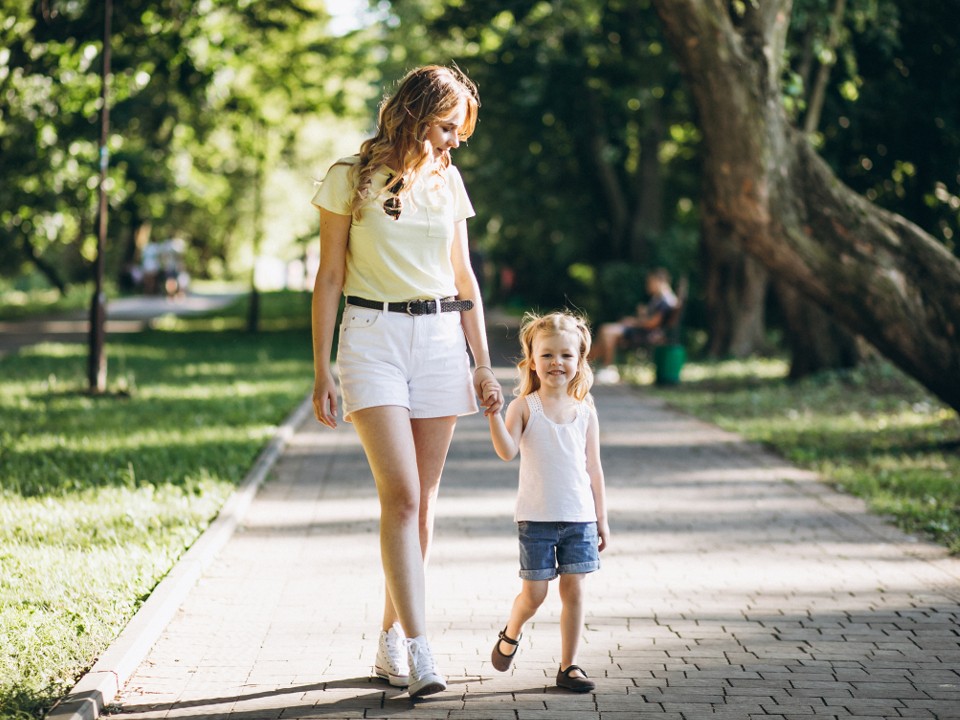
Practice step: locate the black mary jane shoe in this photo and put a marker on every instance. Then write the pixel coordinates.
(576, 684)
(500, 661)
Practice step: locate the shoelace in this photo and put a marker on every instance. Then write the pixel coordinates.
(422, 659)
(395, 650)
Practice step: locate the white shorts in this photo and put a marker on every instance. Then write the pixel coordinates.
(417, 362)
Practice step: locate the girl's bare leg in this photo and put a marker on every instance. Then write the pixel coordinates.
(571, 618)
(525, 606)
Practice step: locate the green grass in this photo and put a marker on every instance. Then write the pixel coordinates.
(21, 304)
(100, 495)
(871, 431)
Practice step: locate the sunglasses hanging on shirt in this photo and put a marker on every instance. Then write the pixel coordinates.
(393, 206)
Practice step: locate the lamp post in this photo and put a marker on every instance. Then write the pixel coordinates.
(97, 367)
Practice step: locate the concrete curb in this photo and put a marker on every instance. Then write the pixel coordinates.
(101, 684)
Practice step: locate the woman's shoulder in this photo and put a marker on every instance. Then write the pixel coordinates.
(340, 170)
(453, 175)
(343, 165)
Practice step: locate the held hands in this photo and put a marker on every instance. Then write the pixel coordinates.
(325, 400)
(488, 389)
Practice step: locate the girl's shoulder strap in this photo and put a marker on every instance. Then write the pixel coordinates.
(585, 409)
(534, 403)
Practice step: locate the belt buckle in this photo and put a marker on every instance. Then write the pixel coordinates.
(410, 304)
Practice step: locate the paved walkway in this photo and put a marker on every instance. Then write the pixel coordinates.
(124, 315)
(735, 587)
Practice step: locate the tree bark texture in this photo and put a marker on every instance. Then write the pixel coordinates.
(734, 292)
(878, 274)
(816, 342)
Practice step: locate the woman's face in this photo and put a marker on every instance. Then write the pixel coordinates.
(445, 135)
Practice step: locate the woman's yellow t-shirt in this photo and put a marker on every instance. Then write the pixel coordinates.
(403, 259)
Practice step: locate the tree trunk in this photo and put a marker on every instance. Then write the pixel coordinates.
(735, 291)
(816, 342)
(48, 270)
(873, 271)
(647, 222)
(606, 174)
(817, 93)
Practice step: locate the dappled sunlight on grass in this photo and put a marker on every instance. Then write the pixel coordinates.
(752, 369)
(18, 304)
(143, 441)
(169, 323)
(870, 431)
(100, 494)
(55, 350)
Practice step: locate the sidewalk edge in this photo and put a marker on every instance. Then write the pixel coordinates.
(100, 684)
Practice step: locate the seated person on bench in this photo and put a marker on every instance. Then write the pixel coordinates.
(644, 328)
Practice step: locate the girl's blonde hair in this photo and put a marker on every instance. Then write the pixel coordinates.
(425, 96)
(555, 323)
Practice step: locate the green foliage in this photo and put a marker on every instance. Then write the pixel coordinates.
(891, 120)
(30, 295)
(100, 495)
(580, 100)
(209, 102)
(871, 431)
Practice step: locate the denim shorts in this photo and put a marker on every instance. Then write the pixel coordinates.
(551, 548)
(416, 362)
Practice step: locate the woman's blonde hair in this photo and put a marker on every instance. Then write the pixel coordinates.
(555, 323)
(424, 97)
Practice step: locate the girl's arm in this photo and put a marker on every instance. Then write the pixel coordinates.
(484, 381)
(595, 471)
(334, 234)
(506, 434)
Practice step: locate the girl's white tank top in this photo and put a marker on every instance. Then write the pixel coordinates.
(554, 484)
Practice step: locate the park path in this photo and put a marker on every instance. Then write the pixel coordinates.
(736, 586)
(124, 315)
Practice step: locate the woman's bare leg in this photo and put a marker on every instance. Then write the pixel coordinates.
(432, 436)
(407, 459)
(387, 439)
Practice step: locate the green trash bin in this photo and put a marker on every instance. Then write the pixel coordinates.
(669, 360)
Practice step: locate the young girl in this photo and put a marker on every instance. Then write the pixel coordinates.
(393, 240)
(561, 509)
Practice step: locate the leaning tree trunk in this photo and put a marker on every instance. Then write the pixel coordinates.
(875, 272)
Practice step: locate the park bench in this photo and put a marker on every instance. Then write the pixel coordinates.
(670, 331)
(669, 354)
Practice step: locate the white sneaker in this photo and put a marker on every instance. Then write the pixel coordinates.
(392, 657)
(425, 678)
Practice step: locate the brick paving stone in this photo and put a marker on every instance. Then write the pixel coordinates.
(736, 586)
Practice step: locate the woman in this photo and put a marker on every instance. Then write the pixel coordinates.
(394, 241)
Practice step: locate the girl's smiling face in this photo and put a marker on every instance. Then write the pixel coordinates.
(445, 135)
(556, 358)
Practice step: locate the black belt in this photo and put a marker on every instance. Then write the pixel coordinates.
(413, 307)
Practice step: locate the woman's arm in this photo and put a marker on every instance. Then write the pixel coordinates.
(506, 434)
(474, 328)
(334, 235)
(595, 471)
